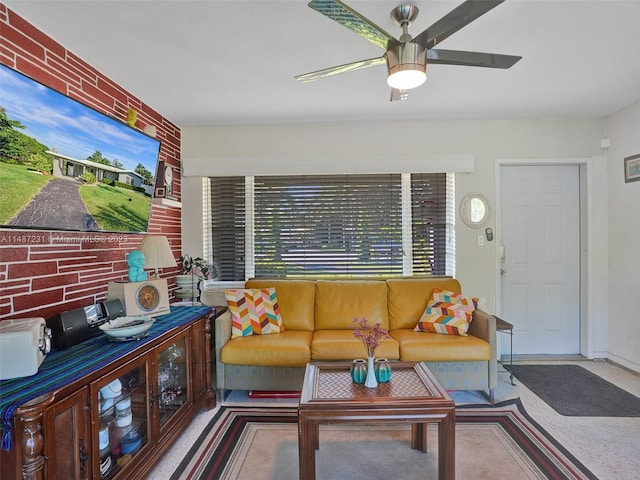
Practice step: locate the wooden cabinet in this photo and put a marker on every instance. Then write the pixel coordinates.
(66, 422)
(116, 422)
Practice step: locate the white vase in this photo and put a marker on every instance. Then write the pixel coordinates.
(371, 381)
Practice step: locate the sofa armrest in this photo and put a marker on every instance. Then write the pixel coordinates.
(483, 325)
(222, 335)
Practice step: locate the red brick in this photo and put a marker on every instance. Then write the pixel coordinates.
(76, 258)
(105, 275)
(7, 58)
(117, 92)
(14, 254)
(54, 281)
(78, 255)
(22, 42)
(14, 290)
(71, 267)
(48, 311)
(110, 89)
(110, 255)
(34, 34)
(81, 96)
(90, 73)
(84, 292)
(32, 269)
(62, 70)
(40, 75)
(34, 299)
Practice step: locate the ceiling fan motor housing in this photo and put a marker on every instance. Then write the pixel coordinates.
(406, 62)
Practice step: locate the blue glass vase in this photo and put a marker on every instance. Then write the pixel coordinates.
(383, 370)
(358, 370)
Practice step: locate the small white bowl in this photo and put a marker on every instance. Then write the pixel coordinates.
(126, 328)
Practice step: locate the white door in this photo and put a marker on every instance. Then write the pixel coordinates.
(540, 225)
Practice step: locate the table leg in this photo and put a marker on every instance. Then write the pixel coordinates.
(419, 436)
(307, 444)
(447, 447)
(511, 360)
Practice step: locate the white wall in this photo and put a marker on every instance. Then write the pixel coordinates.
(623, 128)
(374, 146)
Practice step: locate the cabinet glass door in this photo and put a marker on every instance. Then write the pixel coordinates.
(124, 417)
(172, 379)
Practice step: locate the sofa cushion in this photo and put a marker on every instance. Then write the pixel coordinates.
(289, 349)
(408, 298)
(342, 345)
(448, 313)
(431, 347)
(254, 311)
(296, 299)
(338, 302)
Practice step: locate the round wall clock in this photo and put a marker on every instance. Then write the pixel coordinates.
(168, 178)
(148, 297)
(168, 174)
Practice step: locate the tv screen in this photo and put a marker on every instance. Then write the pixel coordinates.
(65, 166)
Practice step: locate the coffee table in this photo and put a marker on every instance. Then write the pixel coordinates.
(413, 395)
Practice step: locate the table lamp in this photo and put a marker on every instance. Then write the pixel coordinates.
(157, 252)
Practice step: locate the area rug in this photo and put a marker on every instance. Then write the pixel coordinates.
(574, 391)
(492, 442)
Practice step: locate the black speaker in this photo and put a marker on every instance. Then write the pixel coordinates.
(112, 309)
(72, 327)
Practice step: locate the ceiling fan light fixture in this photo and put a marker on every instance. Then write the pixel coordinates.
(407, 66)
(407, 77)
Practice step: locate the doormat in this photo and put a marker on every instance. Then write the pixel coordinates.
(574, 391)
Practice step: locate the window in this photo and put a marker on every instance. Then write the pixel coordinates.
(332, 225)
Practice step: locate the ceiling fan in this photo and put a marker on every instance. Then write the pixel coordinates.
(407, 57)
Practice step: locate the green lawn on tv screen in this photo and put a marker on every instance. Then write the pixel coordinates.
(116, 209)
(19, 186)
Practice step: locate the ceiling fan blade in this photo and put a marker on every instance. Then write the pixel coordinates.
(471, 59)
(398, 95)
(453, 21)
(349, 67)
(346, 16)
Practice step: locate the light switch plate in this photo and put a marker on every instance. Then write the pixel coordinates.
(481, 240)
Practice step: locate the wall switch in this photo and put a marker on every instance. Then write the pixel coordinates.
(481, 240)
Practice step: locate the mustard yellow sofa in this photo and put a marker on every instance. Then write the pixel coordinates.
(318, 319)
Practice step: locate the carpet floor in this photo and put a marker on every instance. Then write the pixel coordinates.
(497, 442)
(574, 391)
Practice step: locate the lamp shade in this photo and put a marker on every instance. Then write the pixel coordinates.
(157, 252)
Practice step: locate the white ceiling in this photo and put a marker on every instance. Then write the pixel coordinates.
(232, 62)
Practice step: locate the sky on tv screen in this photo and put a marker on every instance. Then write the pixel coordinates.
(71, 128)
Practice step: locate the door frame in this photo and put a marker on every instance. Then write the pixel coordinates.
(593, 260)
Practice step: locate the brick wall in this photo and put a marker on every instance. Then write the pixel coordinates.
(43, 272)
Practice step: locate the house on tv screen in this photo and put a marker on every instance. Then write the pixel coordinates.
(64, 166)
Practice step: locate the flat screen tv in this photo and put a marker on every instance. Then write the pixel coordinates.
(66, 166)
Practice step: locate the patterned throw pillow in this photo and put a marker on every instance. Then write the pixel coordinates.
(448, 313)
(254, 311)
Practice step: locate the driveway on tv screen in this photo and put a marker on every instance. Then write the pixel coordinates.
(57, 205)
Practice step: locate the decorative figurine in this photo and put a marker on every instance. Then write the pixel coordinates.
(132, 117)
(135, 260)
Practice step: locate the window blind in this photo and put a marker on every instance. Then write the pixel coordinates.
(430, 216)
(332, 225)
(228, 226)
